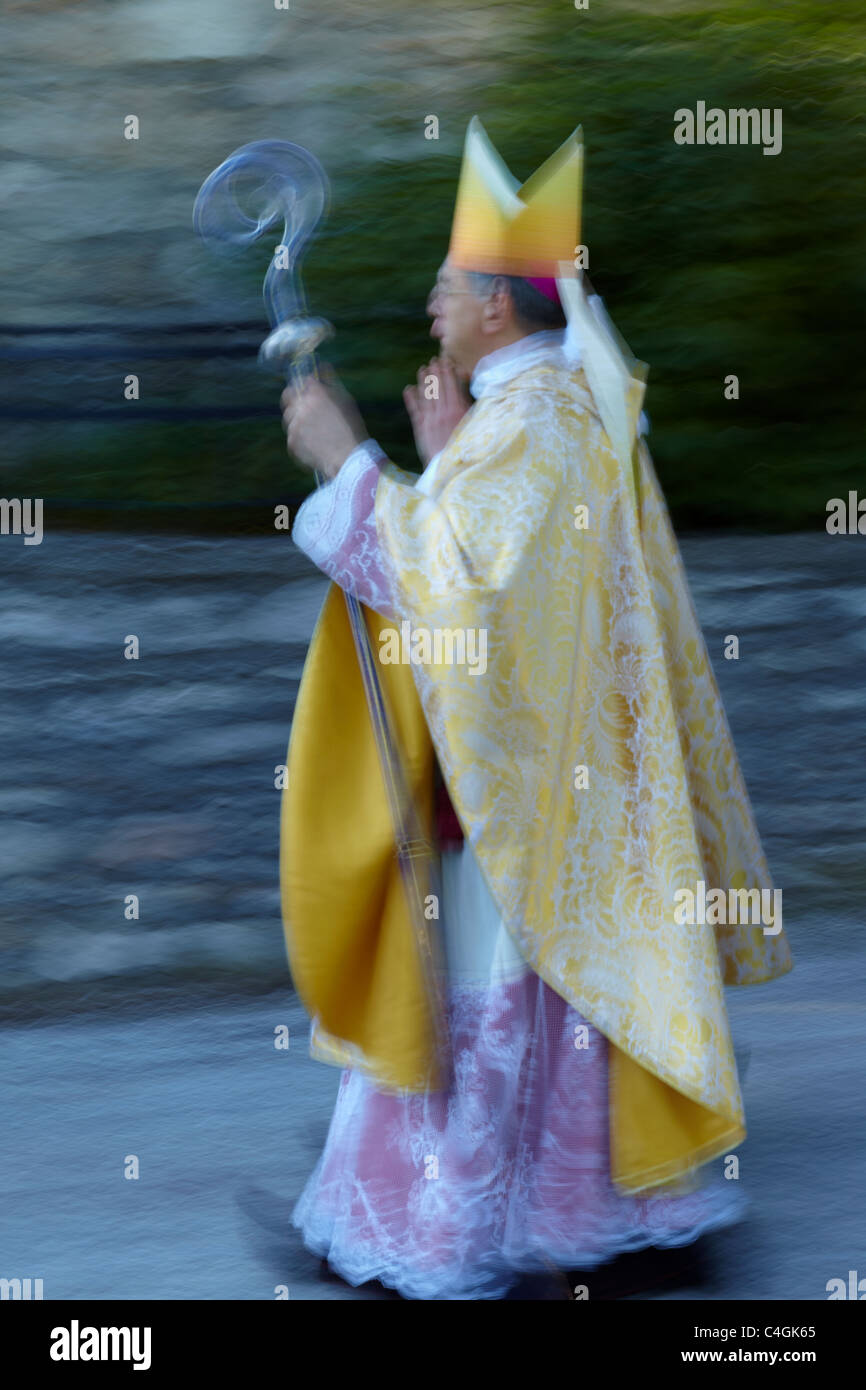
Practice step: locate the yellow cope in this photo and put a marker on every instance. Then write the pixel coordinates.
(591, 767)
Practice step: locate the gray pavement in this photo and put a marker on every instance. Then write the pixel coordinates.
(227, 1129)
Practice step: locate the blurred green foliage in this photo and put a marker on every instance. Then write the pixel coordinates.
(711, 260)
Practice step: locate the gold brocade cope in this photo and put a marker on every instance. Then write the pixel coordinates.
(338, 921)
(349, 931)
(589, 762)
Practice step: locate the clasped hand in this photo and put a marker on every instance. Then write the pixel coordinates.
(436, 406)
(323, 425)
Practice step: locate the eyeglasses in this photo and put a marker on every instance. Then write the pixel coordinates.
(441, 289)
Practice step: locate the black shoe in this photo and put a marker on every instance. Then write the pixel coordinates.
(646, 1271)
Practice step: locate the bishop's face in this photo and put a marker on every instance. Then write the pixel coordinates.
(458, 317)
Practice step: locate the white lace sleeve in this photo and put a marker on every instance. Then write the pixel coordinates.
(336, 528)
